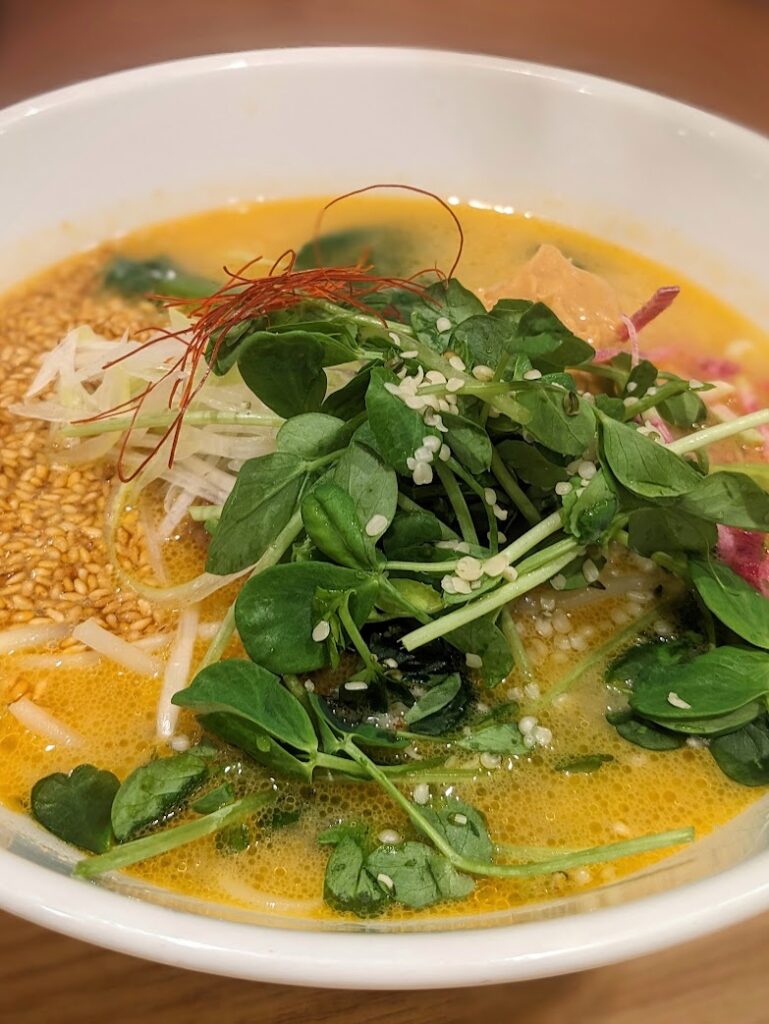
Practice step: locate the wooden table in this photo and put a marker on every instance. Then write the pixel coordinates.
(709, 52)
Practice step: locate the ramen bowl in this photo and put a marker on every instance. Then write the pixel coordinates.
(99, 159)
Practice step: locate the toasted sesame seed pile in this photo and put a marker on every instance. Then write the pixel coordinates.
(53, 562)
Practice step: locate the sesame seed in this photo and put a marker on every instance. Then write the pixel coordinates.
(431, 442)
(469, 568)
(461, 586)
(321, 631)
(460, 819)
(563, 487)
(490, 496)
(543, 737)
(531, 691)
(456, 363)
(581, 876)
(421, 794)
(495, 565)
(662, 627)
(532, 375)
(500, 513)
(590, 570)
(490, 761)
(435, 377)
(443, 324)
(500, 537)
(454, 384)
(511, 573)
(483, 373)
(411, 354)
(394, 338)
(678, 702)
(385, 881)
(462, 546)
(390, 663)
(544, 627)
(377, 524)
(697, 742)
(547, 603)
(356, 685)
(445, 453)
(527, 724)
(392, 388)
(389, 837)
(447, 584)
(473, 661)
(411, 462)
(631, 386)
(309, 685)
(628, 401)
(180, 743)
(694, 383)
(422, 474)
(558, 582)
(423, 454)
(587, 469)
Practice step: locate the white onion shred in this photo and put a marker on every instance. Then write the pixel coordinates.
(177, 671)
(78, 659)
(115, 648)
(20, 638)
(153, 541)
(42, 723)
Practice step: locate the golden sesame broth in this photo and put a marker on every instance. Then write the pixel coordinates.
(54, 568)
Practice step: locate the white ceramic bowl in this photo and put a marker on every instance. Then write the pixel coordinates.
(84, 162)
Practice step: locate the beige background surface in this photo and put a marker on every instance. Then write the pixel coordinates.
(709, 52)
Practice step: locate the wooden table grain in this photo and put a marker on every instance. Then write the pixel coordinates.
(708, 52)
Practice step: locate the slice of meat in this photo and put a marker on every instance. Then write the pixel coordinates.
(583, 301)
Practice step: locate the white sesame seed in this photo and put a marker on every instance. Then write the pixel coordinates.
(694, 383)
(581, 876)
(678, 702)
(511, 573)
(526, 724)
(435, 377)
(389, 837)
(547, 603)
(558, 582)
(377, 524)
(394, 338)
(390, 663)
(631, 386)
(578, 642)
(490, 761)
(411, 354)
(619, 828)
(543, 626)
(483, 373)
(515, 693)
(421, 793)
(461, 586)
(619, 617)
(443, 324)
(454, 384)
(445, 453)
(651, 391)
(423, 454)
(469, 568)
(462, 547)
(562, 643)
(528, 741)
(495, 565)
(662, 627)
(543, 737)
(590, 570)
(385, 881)
(531, 690)
(355, 685)
(414, 401)
(180, 743)
(411, 462)
(587, 469)
(456, 364)
(696, 742)
(532, 375)
(500, 513)
(473, 661)
(309, 685)
(629, 400)
(321, 631)
(432, 442)
(572, 466)
(447, 584)
(392, 388)
(563, 487)
(501, 537)
(460, 819)
(422, 474)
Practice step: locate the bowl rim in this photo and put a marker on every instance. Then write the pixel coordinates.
(396, 960)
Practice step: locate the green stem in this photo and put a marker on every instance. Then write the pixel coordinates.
(532, 537)
(439, 568)
(710, 435)
(595, 657)
(354, 634)
(512, 489)
(202, 513)
(567, 546)
(165, 419)
(272, 555)
(470, 481)
(649, 401)
(457, 502)
(562, 862)
(520, 657)
(125, 854)
(489, 603)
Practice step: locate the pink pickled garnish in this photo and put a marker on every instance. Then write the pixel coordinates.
(632, 333)
(603, 355)
(744, 552)
(714, 366)
(651, 309)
